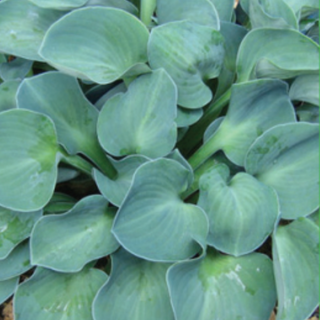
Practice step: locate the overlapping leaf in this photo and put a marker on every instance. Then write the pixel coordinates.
(286, 157)
(136, 287)
(7, 288)
(270, 13)
(58, 296)
(59, 96)
(16, 69)
(22, 27)
(17, 263)
(14, 228)
(28, 162)
(66, 242)
(152, 215)
(59, 4)
(116, 189)
(218, 286)
(147, 120)
(115, 43)
(255, 106)
(276, 53)
(197, 56)
(8, 90)
(242, 211)
(305, 88)
(199, 11)
(296, 265)
(224, 8)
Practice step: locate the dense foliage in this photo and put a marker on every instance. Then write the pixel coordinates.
(159, 159)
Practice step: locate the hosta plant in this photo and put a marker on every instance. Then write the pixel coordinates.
(159, 159)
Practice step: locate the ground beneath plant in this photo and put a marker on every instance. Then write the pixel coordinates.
(7, 314)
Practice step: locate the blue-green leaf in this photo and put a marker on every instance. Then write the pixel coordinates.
(295, 253)
(115, 190)
(199, 11)
(58, 296)
(242, 211)
(178, 230)
(276, 53)
(17, 263)
(286, 157)
(197, 56)
(219, 286)
(115, 43)
(136, 287)
(59, 96)
(147, 120)
(224, 8)
(16, 69)
(59, 4)
(66, 242)
(22, 27)
(28, 162)
(7, 288)
(8, 90)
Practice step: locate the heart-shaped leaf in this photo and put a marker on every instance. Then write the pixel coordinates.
(22, 27)
(58, 296)
(147, 121)
(199, 11)
(223, 287)
(136, 285)
(276, 53)
(255, 106)
(17, 263)
(115, 42)
(16, 69)
(197, 56)
(7, 288)
(59, 96)
(242, 211)
(66, 242)
(295, 253)
(270, 13)
(286, 157)
(8, 90)
(28, 162)
(153, 216)
(305, 88)
(115, 190)
(14, 228)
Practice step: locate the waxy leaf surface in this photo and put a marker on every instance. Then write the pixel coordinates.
(115, 42)
(58, 296)
(197, 56)
(59, 4)
(22, 27)
(7, 288)
(17, 263)
(305, 88)
(115, 190)
(28, 163)
(59, 96)
(223, 287)
(153, 216)
(255, 106)
(8, 90)
(136, 287)
(14, 228)
(147, 112)
(66, 242)
(242, 211)
(276, 53)
(15, 69)
(224, 8)
(199, 11)
(295, 253)
(286, 158)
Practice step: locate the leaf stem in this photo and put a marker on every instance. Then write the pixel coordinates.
(76, 162)
(195, 133)
(147, 8)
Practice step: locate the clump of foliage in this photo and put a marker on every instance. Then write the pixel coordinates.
(159, 159)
